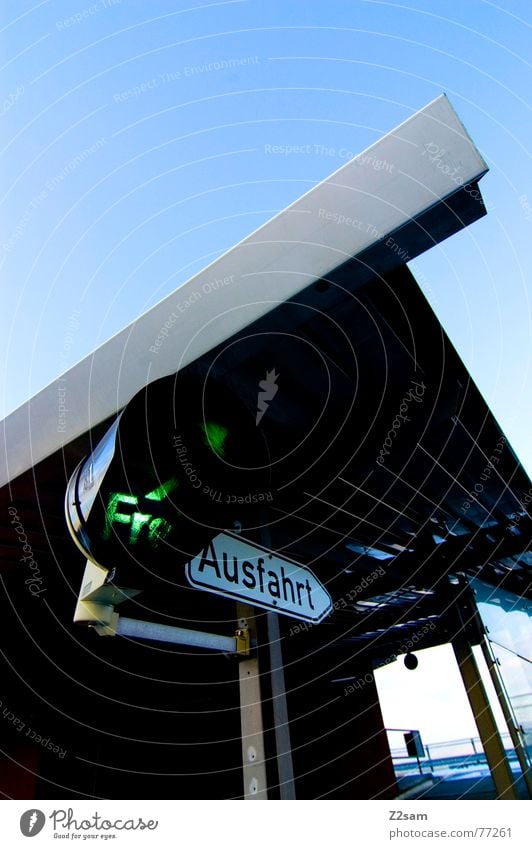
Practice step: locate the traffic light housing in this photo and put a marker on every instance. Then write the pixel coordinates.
(263, 422)
(183, 461)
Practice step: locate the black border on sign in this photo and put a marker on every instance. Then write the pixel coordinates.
(252, 601)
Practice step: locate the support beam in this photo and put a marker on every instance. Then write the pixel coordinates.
(487, 728)
(253, 757)
(168, 634)
(507, 712)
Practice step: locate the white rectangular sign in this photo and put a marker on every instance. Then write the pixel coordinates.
(233, 567)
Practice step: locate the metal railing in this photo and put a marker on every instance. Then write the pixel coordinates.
(444, 757)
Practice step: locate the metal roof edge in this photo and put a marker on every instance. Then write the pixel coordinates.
(421, 162)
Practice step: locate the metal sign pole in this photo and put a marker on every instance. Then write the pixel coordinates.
(280, 711)
(283, 744)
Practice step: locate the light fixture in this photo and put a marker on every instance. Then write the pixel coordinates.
(411, 661)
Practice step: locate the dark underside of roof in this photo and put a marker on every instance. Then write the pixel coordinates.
(416, 482)
(417, 489)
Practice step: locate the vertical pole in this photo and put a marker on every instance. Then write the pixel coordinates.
(283, 746)
(487, 728)
(280, 711)
(253, 758)
(505, 707)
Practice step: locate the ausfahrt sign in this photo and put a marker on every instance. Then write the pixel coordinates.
(232, 567)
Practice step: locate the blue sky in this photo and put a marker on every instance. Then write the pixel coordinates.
(132, 155)
(129, 160)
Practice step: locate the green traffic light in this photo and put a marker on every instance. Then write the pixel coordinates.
(163, 490)
(215, 436)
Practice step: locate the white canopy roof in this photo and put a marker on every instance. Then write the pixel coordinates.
(410, 170)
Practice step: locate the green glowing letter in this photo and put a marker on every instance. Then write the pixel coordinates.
(112, 514)
(158, 530)
(139, 519)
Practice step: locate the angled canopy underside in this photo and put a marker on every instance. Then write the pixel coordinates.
(428, 491)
